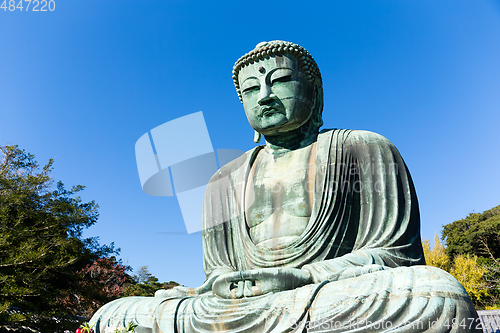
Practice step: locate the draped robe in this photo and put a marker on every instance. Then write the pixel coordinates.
(364, 212)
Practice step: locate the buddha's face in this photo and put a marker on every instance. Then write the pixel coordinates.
(276, 95)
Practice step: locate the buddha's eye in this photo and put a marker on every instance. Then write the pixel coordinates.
(282, 75)
(250, 85)
(282, 79)
(249, 89)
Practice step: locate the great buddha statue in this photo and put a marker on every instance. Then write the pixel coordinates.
(315, 231)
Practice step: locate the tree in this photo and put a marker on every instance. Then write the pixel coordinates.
(436, 256)
(99, 282)
(471, 275)
(144, 276)
(465, 268)
(145, 284)
(41, 243)
(478, 234)
(492, 278)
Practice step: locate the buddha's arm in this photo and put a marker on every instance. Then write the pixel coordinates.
(345, 267)
(384, 224)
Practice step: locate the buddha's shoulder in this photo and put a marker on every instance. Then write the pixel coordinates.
(356, 137)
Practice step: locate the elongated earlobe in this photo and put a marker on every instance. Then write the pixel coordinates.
(256, 137)
(317, 119)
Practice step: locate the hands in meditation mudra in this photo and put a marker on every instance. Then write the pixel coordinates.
(312, 232)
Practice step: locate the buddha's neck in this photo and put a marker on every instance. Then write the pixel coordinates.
(292, 140)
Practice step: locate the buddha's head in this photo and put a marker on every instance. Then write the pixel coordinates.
(280, 87)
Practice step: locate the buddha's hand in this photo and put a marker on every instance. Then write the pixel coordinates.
(259, 282)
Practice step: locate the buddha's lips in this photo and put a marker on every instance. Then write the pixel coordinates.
(266, 111)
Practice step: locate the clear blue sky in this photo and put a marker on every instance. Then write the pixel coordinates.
(82, 83)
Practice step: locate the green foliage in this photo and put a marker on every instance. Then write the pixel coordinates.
(122, 329)
(141, 289)
(41, 244)
(49, 273)
(86, 328)
(478, 234)
(130, 327)
(144, 276)
(145, 284)
(492, 278)
(477, 238)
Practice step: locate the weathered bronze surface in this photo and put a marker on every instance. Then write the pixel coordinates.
(314, 231)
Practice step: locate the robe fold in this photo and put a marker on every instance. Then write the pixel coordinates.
(362, 247)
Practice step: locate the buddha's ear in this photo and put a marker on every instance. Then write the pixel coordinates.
(256, 137)
(317, 118)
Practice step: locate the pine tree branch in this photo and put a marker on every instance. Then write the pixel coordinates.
(23, 262)
(17, 295)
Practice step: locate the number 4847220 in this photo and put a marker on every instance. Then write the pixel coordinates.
(33, 5)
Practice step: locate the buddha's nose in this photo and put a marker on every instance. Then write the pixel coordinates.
(265, 95)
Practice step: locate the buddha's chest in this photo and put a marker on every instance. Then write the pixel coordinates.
(279, 196)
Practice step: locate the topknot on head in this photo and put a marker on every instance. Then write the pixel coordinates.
(265, 50)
